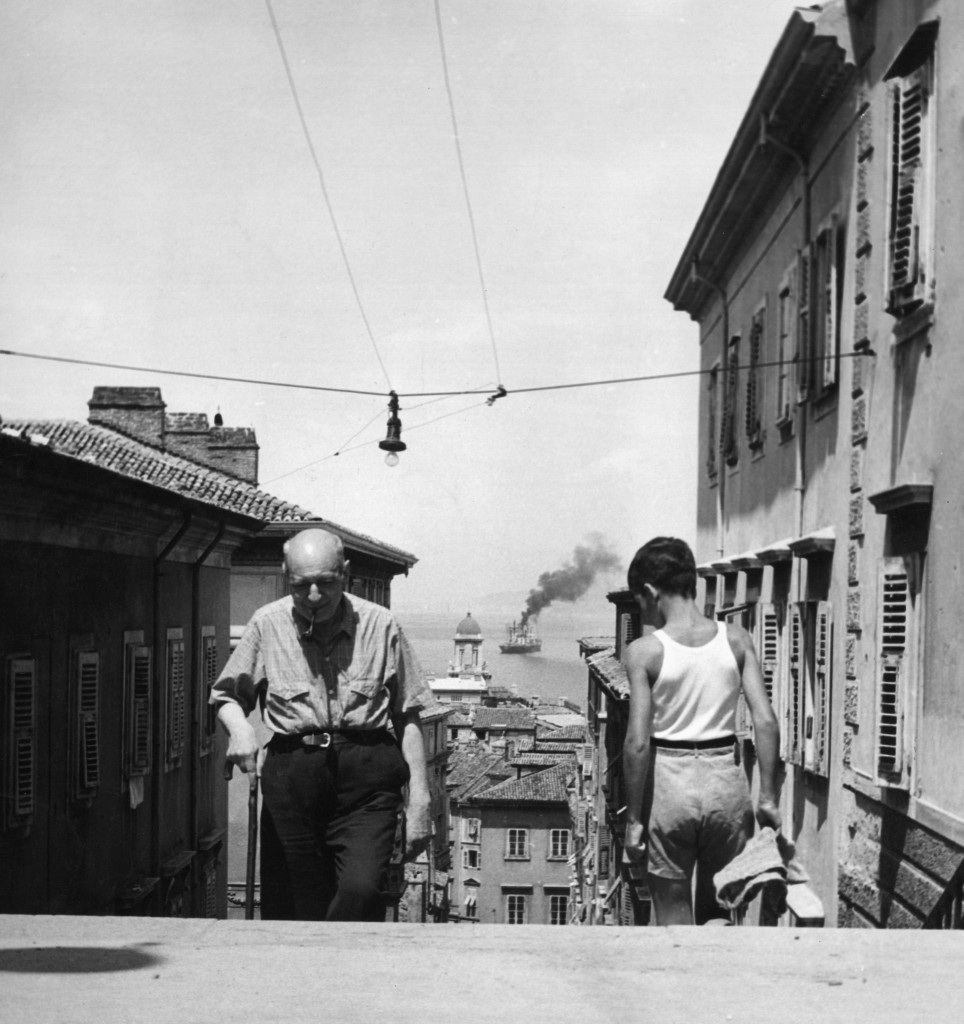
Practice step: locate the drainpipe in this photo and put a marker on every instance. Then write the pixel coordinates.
(800, 447)
(720, 466)
(198, 671)
(157, 703)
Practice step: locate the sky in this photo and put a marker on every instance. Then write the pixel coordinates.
(161, 207)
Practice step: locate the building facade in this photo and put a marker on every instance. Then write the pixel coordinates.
(822, 274)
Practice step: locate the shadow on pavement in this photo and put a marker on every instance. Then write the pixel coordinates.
(75, 959)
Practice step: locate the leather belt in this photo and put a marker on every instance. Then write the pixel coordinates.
(720, 741)
(324, 738)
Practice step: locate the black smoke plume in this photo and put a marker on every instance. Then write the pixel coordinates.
(571, 581)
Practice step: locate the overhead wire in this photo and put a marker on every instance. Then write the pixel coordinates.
(324, 189)
(465, 188)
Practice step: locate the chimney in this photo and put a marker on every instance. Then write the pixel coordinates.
(231, 450)
(136, 412)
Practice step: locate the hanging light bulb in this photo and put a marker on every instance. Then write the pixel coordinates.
(393, 443)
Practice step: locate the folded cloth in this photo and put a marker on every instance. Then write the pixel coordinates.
(766, 863)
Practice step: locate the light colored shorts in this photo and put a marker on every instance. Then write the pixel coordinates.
(701, 811)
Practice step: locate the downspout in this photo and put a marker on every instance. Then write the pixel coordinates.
(157, 704)
(800, 427)
(198, 669)
(695, 275)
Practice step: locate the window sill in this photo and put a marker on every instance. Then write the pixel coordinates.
(914, 324)
(510, 856)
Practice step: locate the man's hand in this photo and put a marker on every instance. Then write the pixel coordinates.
(634, 842)
(768, 814)
(243, 751)
(418, 826)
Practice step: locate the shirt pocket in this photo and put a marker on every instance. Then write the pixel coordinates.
(363, 688)
(288, 693)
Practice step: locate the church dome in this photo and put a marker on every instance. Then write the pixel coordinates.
(468, 626)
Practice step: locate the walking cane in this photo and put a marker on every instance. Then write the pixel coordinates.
(252, 847)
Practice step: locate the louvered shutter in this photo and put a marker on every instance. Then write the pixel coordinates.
(829, 307)
(22, 698)
(893, 624)
(909, 98)
(628, 630)
(728, 429)
(754, 382)
(87, 766)
(176, 722)
(139, 668)
(818, 719)
(207, 713)
(605, 850)
(796, 668)
(804, 340)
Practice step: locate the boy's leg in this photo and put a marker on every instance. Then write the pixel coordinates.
(672, 901)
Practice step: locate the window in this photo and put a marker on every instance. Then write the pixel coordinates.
(911, 172)
(559, 843)
(712, 424)
(605, 851)
(176, 723)
(804, 345)
(470, 858)
(786, 316)
(138, 668)
(516, 909)
(470, 829)
(207, 713)
(731, 382)
(85, 751)
(896, 603)
(471, 902)
(558, 909)
(517, 844)
(825, 304)
(753, 418)
(810, 660)
(19, 718)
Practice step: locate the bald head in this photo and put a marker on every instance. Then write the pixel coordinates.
(314, 561)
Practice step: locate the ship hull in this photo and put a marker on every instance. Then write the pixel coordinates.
(529, 648)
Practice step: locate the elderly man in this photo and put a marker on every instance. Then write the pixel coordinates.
(340, 690)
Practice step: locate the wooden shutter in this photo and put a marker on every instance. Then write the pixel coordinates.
(829, 307)
(893, 625)
(207, 713)
(804, 340)
(22, 735)
(176, 685)
(796, 669)
(906, 273)
(818, 712)
(87, 765)
(786, 316)
(728, 429)
(628, 630)
(138, 724)
(754, 382)
(712, 415)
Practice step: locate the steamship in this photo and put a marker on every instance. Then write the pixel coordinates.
(520, 639)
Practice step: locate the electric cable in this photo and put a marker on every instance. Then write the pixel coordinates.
(324, 188)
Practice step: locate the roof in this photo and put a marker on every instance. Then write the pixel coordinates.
(805, 78)
(548, 786)
(542, 757)
(473, 768)
(504, 718)
(134, 460)
(565, 734)
(607, 667)
(468, 627)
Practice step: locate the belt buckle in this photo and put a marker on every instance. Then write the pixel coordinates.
(322, 740)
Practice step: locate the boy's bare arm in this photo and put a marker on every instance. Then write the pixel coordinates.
(639, 667)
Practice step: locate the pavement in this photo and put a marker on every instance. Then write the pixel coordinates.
(73, 970)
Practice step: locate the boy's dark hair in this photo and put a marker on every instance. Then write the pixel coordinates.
(667, 564)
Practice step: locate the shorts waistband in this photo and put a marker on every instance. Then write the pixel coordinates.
(722, 742)
(323, 738)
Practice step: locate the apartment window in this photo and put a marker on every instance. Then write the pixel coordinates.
(19, 719)
(558, 909)
(911, 172)
(786, 318)
(825, 304)
(810, 661)
(175, 691)
(712, 421)
(753, 418)
(804, 346)
(470, 858)
(559, 843)
(138, 670)
(517, 844)
(728, 429)
(471, 902)
(516, 909)
(604, 839)
(84, 739)
(471, 828)
(208, 674)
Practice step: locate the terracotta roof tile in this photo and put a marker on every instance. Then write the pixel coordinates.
(548, 786)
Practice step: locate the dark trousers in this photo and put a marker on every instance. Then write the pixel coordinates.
(328, 822)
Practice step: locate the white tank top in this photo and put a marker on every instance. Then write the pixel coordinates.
(694, 697)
